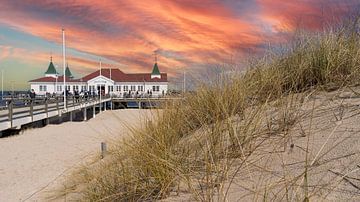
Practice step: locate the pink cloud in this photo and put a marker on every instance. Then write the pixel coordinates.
(188, 33)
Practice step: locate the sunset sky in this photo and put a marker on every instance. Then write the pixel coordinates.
(190, 34)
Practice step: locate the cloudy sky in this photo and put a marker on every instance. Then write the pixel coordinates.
(191, 34)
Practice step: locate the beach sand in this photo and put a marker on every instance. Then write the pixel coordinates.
(32, 162)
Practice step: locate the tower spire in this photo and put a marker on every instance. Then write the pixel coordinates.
(155, 72)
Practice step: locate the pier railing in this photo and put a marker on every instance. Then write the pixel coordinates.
(18, 108)
(22, 110)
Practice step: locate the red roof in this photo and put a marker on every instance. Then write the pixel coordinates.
(52, 79)
(116, 75)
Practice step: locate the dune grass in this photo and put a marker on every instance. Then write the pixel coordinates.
(197, 145)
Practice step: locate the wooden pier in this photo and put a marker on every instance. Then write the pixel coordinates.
(44, 109)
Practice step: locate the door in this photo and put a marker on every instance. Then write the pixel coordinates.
(101, 88)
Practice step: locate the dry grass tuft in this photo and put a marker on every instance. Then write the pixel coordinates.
(198, 145)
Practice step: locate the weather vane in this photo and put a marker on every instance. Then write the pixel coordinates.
(155, 56)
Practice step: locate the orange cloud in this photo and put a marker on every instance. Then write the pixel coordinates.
(186, 33)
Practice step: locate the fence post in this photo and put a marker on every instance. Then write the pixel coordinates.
(94, 110)
(67, 101)
(103, 149)
(32, 110)
(73, 101)
(46, 107)
(57, 105)
(85, 113)
(10, 106)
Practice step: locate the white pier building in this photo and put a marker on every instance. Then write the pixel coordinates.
(107, 80)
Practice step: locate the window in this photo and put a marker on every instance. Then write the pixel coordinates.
(126, 88)
(140, 88)
(156, 88)
(75, 88)
(43, 87)
(133, 88)
(118, 88)
(59, 88)
(110, 88)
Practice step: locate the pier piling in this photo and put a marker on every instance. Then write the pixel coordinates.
(94, 111)
(71, 116)
(85, 114)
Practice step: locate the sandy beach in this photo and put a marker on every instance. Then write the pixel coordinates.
(32, 162)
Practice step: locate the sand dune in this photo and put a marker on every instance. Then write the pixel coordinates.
(32, 162)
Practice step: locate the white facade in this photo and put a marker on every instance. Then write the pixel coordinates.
(108, 87)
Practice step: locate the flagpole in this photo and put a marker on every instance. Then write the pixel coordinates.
(2, 84)
(112, 88)
(64, 64)
(100, 86)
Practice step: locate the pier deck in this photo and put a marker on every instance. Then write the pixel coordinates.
(13, 117)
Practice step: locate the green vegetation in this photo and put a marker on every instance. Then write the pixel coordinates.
(197, 145)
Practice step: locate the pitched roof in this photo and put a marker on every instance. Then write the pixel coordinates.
(155, 70)
(51, 69)
(118, 76)
(68, 72)
(52, 79)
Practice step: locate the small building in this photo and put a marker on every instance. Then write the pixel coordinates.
(108, 81)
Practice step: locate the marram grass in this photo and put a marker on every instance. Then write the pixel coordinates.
(194, 143)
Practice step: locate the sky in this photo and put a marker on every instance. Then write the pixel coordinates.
(190, 35)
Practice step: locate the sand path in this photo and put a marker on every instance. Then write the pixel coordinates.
(34, 160)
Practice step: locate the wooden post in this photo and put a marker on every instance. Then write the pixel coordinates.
(103, 149)
(57, 106)
(71, 116)
(94, 110)
(32, 110)
(10, 107)
(46, 107)
(139, 103)
(85, 114)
